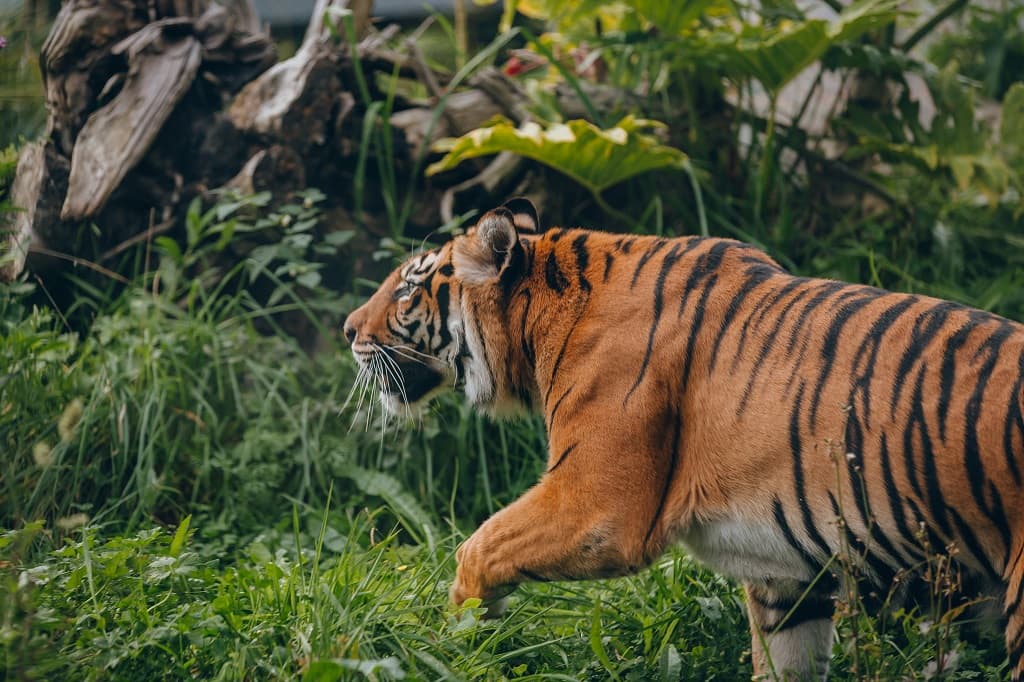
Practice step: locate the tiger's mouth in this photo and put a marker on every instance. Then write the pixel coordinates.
(401, 378)
(415, 382)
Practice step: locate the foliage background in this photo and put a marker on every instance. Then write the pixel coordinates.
(186, 491)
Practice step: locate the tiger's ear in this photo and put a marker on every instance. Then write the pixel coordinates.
(524, 214)
(489, 249)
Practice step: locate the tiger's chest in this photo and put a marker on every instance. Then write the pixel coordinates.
(747, 549)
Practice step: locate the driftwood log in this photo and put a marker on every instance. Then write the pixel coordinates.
(152, 103)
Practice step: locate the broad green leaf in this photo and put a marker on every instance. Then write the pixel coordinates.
(778, 54)
(328, 670)
(595, 158)
(597, 644)
(670, 666)
(180, 536)
(778, 58)
(963, 170)
(670, 18)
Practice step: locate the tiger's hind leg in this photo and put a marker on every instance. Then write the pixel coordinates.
(791, 629)
(1013, 611)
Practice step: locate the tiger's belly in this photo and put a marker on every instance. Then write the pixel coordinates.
(751, 550)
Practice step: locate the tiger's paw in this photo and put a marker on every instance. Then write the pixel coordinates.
(495, 601)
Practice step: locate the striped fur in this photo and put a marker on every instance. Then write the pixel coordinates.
(695, 392)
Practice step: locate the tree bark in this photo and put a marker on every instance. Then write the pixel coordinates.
(152, 102)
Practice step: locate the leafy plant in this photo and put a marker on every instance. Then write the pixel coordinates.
(595, 158)
(988, 47)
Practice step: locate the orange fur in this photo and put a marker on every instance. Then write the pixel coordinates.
(695, 392)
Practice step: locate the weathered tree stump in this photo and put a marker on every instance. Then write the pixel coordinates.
(153, 102)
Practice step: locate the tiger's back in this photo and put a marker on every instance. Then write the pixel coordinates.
(693, 390)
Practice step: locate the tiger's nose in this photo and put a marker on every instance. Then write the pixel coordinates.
(350, 330)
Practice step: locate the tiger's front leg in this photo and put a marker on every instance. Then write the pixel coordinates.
(791, 629)
(559, 530)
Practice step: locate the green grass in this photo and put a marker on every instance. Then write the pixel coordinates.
(297, 601)
(337, 597)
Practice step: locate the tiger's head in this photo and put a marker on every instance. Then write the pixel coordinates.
(438, 321)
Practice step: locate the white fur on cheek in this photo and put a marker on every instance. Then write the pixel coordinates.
(479, 382)
(468, 351)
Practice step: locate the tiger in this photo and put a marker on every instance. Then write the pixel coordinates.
(694, 392)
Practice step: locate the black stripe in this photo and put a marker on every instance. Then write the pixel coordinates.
(774, 600)
(928, 465)
(970, 542)
(870, 346)
(932, 541)
(766, 347)
(947, 375)
(443, 298)
(753, 281)
(514, 269)
(608, 260)
(1013, 603)
(764, 306)
(800, 605)
(396, 330)
(553, 275)
(825, 290)
(780, 520)
(699, 271)
(530, 251)
(561, 353)
(926, 328)
(558, 403)
(798, 478)
(695, 326)
(579, 247)
(561, 458)
(881, 571)
(659, 297)
(861, 493)
(810, 608)
(998, 510)
(1011, 607)
(972, 456)
(647, 255)
(677, 430)
(410, 329)
(1014, 654)
(761, 309)
(1014, 422)
(910, 543)
(1013, 569)
(525, 340)
(706, 266)
(831, 341)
